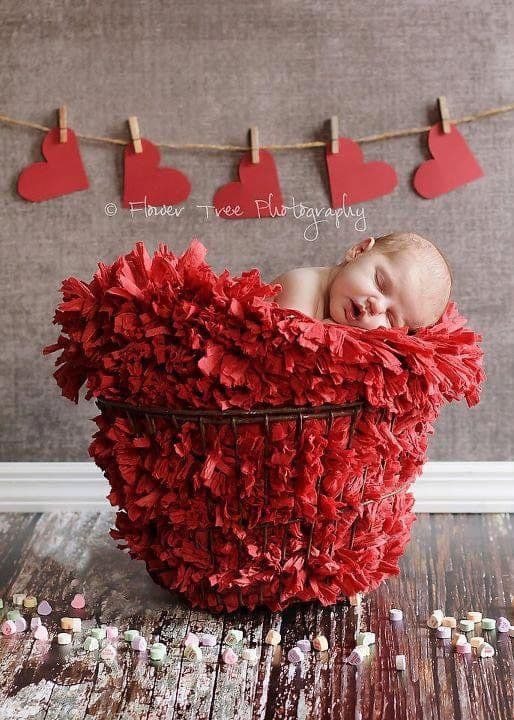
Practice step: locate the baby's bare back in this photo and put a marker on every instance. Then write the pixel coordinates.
(303, 289)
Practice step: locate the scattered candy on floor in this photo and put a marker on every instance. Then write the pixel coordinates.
(108, 652)
(102, 638)
(250, 655)
(21, 624)
(99, 633)
(273, 638)
(463, 648)
(90, 644)
(435, 619)
(229, 657)
(191, 639)
(450, 622)
(444, 632)
(485, 650)
(78, 602)
(111, 632)
(502, 624)
(193, 652)
(304, 644)
(488, 624)
(8, 627)
(207, 639)
(467, 625)
(233, 637)
(139, 643)
(401, 662)
(295, 655)
(41, 633)
(320, 643)
(44, 608)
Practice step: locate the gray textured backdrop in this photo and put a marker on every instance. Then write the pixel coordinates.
(205, 72)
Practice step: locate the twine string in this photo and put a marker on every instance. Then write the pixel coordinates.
(289, 146)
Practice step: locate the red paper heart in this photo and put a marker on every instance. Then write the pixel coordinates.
(453, 164)
(145, 181)
(61, 173)
(258, 193)
(348, 173)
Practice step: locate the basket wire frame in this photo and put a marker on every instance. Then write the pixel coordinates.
(237, 417)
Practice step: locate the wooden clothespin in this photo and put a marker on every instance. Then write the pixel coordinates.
(334, 133)
(445, 115)
(63, 124)
(254, 143)
(134, 134)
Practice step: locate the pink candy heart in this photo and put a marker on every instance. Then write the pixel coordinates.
(78, 602)
(229, 657)
(9, 627)
(41, 633)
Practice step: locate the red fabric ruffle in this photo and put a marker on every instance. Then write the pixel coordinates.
(169, 332)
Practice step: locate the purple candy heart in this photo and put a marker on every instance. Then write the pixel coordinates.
(44, 608)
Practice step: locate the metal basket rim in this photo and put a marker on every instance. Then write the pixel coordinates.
(294, 411)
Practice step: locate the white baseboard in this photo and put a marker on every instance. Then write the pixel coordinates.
(446, 487)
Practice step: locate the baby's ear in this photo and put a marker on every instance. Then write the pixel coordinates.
(360, 247)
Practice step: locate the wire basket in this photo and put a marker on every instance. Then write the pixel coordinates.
(147, 421)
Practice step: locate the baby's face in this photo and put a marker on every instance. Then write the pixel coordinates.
(381, 290)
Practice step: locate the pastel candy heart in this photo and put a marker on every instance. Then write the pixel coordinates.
(90, 644)
(9, 627)
(304, 645)
(139, 643)
(229, 657)
(78, 602)
(295, 655)
(44, 608)
(21, 624)
(502, 624)
(108, 652)
(41, 633)
(191, 639)
(207, 639)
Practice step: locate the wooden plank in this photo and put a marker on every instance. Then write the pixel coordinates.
(456, 562)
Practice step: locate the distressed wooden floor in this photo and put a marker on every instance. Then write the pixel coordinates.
(456, 562)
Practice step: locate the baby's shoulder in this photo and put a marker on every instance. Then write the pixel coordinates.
(308, 277)
(301, 290)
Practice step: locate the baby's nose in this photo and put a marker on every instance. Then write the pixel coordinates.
(375, 306)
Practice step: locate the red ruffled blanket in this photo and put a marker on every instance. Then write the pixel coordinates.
(169, 332)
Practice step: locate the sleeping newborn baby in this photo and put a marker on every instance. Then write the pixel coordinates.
(397, 280)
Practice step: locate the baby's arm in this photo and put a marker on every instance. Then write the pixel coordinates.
(300, 290)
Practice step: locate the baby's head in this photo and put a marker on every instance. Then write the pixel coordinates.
(400, 279)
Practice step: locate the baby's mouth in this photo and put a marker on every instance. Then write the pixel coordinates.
(353, 311)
